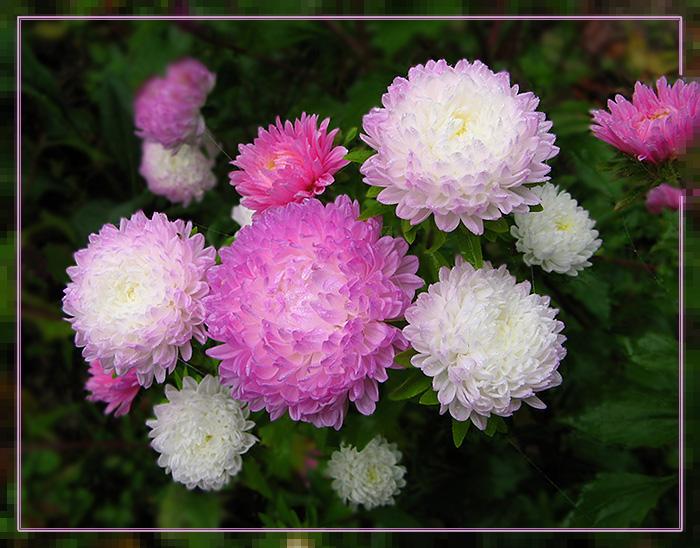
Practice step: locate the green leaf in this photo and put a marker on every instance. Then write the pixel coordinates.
(593, 291)
(350, 136)
(495, 424)
(253, 478)
(435, 261)
(632, 419)
(374, 191)
(359, 155)
(470, 248)
(429, 397)
(438, 240)
(372, 208)
(404, 358)
(459, 430)
(654, 360)
(409, 231)
(536, 208)
(499, 227)
(180, 507)
(618, 500)
(415, 384)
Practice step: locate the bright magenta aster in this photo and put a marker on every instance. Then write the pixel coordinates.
(288, 162)
(117, 392)
(301, 302)
(653, 127)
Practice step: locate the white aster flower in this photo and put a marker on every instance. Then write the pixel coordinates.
(242, 215)
(180, 176)
(561, 237)
(371, 477)
(201, 433)
(487, 342)
(458, 143)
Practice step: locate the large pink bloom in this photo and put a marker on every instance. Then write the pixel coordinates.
(663, 197)
(287, 163)
(652, 127)
(301, 301)
(117, 392)
(167, 108)
(135, 295)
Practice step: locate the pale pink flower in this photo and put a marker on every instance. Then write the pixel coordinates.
(135, 296)
(664, 197)
(459, 143)
(118, 392)
(301, 301)
(655, 126)
(167, 109)
(288, 162)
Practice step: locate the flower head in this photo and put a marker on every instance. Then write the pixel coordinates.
(458, 143)
(655, 126)
(201, 433)
(371, 477)
(487, 342)
(288, 162)
(117, 392)
(167, 108)
(560, 238)
(301, 301)
(180, 176)
(242, 215)
(135, 295)
(663, 197)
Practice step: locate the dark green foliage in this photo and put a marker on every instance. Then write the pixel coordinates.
(603, 453)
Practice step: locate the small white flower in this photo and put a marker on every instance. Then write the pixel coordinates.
(487, 342)
(371, 477)
(201, 433)
(180, 176)
(242, 215)
(560, 238)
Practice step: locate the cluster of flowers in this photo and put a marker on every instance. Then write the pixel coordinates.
(304, 302)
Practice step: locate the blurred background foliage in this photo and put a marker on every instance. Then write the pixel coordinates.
(603, 454)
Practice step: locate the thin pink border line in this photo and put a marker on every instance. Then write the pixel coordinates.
(681, 360)
(681, 470)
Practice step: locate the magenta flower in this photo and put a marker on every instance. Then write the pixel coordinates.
(287, 163)
(117, 392)
(300, 301)
(167, 108)
(664, 197)
(653, 127)
(135, 295)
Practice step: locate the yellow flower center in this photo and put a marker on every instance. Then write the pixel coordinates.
(372, 475)
(663, 113)
(562, 225)
(463, 120)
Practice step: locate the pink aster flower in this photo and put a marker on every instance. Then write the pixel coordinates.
(167, 108)
(655, 126)
(301, 302)
(135, 295)
(664, 197)
(458, 143)
(288, 162)
(117, 392)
